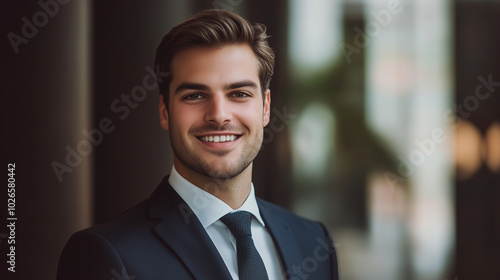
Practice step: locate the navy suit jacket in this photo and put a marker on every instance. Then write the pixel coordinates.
(161, 238)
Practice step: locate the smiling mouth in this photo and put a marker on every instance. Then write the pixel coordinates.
(218, 138)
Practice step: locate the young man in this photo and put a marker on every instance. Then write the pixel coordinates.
(204, 221)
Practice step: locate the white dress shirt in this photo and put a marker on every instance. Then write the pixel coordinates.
(209, 209)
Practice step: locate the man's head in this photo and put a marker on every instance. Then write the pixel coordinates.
(214, 28)
(216, 100)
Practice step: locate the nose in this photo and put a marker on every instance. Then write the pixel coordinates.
(218, 111)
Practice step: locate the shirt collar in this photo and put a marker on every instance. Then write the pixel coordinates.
(207, 207)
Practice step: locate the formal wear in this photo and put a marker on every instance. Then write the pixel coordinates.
(167, 237)
(209, 209)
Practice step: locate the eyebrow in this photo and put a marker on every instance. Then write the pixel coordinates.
(189, 85)
(240, 84)
(197, 86)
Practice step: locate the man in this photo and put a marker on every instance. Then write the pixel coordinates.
(203, 221)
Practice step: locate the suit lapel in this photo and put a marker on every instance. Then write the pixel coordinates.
(181, 230)
(283, 238)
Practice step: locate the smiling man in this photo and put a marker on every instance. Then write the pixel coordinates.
(204, 221)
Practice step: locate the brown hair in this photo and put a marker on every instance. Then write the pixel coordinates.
(214, 28)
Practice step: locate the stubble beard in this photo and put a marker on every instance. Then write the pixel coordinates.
(222, 170)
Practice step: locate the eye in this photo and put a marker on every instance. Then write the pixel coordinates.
(192, 96)
(240, 94)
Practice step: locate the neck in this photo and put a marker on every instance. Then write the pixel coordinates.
(233, 191)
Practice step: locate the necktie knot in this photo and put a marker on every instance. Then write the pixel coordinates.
(238, 223)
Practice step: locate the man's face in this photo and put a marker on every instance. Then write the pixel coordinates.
(216, 113)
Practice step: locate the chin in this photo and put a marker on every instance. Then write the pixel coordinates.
(229, 171)
(222, 174)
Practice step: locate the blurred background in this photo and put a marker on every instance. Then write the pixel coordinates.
(385, 125)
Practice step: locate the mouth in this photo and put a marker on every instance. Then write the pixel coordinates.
(218, 138)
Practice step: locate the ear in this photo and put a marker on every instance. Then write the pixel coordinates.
(267, 108)
(162, 108)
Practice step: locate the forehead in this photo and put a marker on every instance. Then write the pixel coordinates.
(215, 65)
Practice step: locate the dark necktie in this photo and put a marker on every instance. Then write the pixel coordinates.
(250, 264)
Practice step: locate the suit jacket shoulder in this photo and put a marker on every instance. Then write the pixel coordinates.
(307, 248)
(297, 222)
(161, 238)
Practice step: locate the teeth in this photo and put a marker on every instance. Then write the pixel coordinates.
(218, 139)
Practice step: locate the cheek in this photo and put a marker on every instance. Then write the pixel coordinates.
(251, 116)
(182, 118)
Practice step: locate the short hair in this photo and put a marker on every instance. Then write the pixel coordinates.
(214, 28)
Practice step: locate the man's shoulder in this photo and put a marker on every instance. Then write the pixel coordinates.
(292, 220)
(130, 222)
(135, 219)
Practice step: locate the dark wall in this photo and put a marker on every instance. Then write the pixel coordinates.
(45, 102)
(478, 197)
(134, 157)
